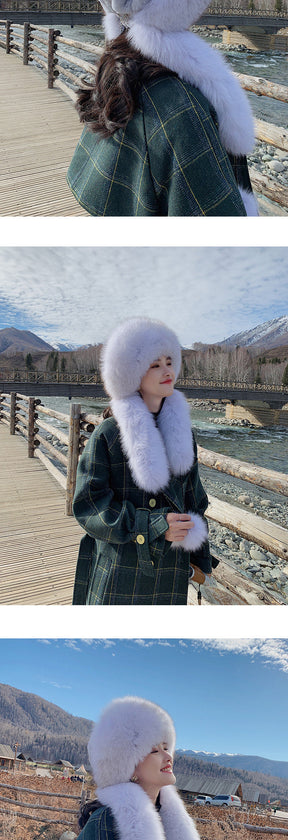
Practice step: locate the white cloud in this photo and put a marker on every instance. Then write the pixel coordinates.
(56, 684)
(79, 294)
(273, 651)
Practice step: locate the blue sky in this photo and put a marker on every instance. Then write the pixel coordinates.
(79, 294)
(224, 695)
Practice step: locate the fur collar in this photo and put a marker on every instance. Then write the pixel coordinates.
(155, 452)
(203, 67)
(137, 819)
(195, 62)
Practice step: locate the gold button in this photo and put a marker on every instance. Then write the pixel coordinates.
(152, 502)
(140, 539)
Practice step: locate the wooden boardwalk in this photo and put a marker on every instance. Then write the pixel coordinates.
(38, 543)
(39, 129)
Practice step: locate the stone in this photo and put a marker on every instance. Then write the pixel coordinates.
(244, 499)
(243, 546)
(276, 166)
(256, 554)
(265, 503)
(229, 543)
(68, 835)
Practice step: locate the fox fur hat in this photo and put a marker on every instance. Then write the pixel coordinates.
(131, 349)
(126, 732)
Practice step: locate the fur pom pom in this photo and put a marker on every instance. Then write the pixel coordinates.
(196, 536)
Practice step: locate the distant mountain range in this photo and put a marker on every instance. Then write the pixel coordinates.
(246, 762)
(45, 731)
(270, 334)
(14, 341)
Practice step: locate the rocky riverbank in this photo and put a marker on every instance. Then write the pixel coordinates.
(256, 563)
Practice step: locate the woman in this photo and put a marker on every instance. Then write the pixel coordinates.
(168, 126)
(138, 493)
(131, 754)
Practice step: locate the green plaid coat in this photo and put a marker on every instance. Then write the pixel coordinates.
(124, 557)
(100, 826)
(168, 161)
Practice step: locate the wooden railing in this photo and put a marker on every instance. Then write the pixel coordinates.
(16, 803)
(51, 376)
(22, 416)
(44, 46)
(58, 376)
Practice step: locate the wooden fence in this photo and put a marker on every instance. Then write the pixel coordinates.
(48, 49)
(39, 806)
(59, 451)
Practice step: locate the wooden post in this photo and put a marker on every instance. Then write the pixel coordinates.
(73, 454)
(26, 43)
(51, 47)
(8, 36)
(13, 398)
(31, 411)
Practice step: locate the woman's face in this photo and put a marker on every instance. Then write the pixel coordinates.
(156, 770)
(158, 382)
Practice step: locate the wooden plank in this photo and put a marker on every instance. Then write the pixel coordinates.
(38, 543)
(271, 537)
(274, 135)
(233, 588)
(37, 140)
(263, 87)
(271, 479)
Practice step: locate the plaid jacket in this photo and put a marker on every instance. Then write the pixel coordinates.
(100, 826)
(168, 161)
(124, 557)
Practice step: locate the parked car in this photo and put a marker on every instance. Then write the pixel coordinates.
(227, 800)
(203, 800)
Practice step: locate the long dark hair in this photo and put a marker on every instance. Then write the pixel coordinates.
(111, 101)
(86, 810)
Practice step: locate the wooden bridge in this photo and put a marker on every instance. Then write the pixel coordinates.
(45, 383)
(39, 538)
(39, 134)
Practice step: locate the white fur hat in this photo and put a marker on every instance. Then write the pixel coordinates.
(131, 349)
(126, 732)
(167, 15)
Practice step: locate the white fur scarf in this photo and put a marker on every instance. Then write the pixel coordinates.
(155, 452)
(199, 64)
(137, 819)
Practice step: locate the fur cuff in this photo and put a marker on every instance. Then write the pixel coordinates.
(196, 536)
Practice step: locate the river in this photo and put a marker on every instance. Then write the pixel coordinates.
(262, 446)
(265, 447)
(270, 65)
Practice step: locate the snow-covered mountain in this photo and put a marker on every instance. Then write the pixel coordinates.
(254, 763)
(270, 334)
(64, 348)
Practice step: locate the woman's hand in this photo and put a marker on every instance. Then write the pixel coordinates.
(179, 525)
